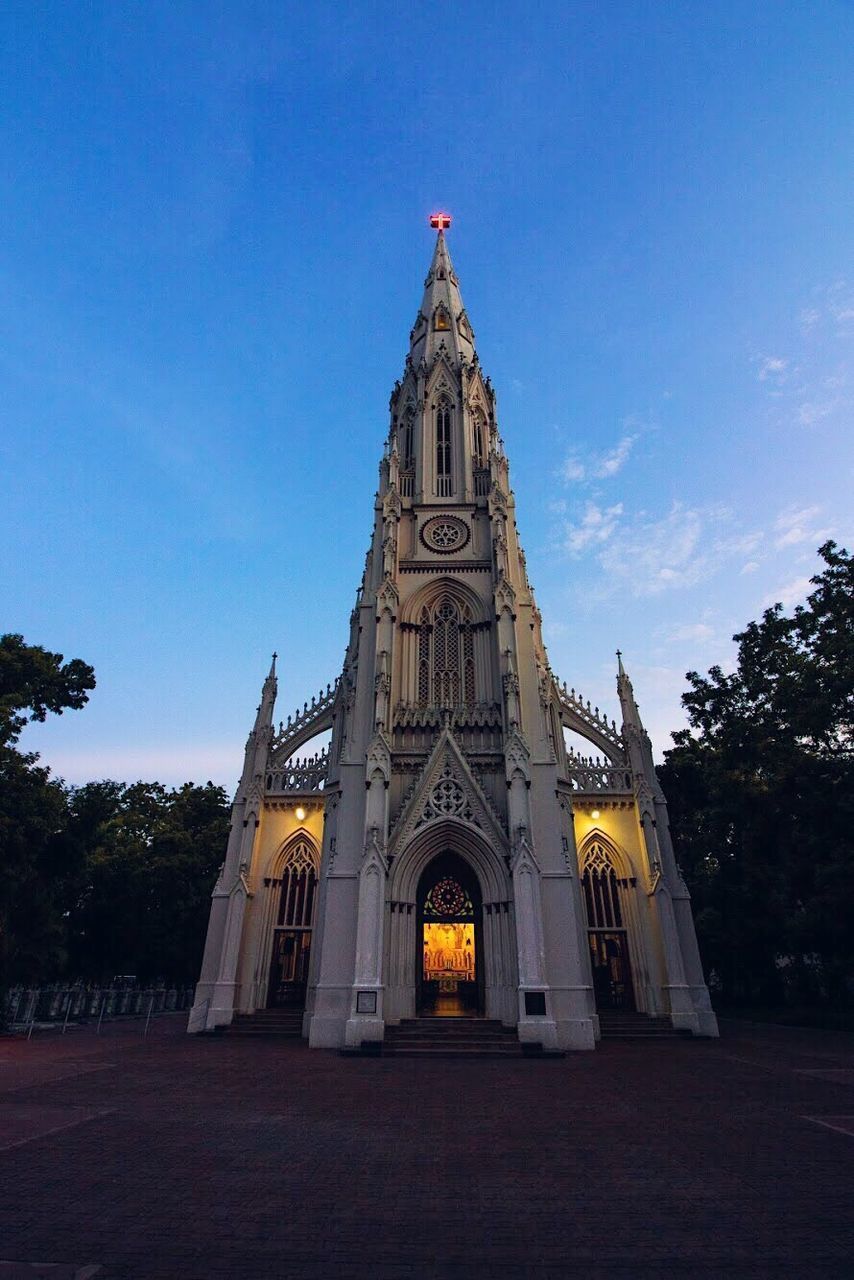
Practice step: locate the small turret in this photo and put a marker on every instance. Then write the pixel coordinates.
(635, 736)
(264, 717)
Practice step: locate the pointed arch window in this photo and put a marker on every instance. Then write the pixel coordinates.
(407, 440)
(444, 473)
(299, 882)
(446, 664)
(601, 891)
(478, 449)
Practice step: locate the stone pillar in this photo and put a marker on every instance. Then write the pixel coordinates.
(366, 1021)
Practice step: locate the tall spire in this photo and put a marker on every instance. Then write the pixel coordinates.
(264, 718)
(626, 694)
(441, 323)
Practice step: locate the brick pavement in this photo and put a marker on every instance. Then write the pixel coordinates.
(187, 1157)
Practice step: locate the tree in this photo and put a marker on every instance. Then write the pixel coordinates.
(34, 680)
(761, 793)
(151, 858)
(32, 810)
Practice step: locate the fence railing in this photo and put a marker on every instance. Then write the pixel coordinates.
(61, 1005)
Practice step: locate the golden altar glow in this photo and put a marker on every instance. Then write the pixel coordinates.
(448, 952)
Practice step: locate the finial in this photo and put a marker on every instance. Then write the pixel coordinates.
(440, 221)
(273, 665)
(620, 668)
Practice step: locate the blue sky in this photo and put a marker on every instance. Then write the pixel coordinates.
(213, 243)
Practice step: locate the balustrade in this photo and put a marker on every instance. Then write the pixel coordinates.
(299, 775)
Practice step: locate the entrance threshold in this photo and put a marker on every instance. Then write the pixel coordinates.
(449, 1006)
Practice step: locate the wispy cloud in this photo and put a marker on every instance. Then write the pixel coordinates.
(573, 470)
(578, 468)
(771, 367)
(810, 411)
(647, 555)
(596, 526)
(797, 525)
(692, 631)
(615, 459)
(789, 594)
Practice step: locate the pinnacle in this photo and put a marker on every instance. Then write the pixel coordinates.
(441, 326)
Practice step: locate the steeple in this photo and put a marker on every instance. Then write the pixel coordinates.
(441, 323)
(264, 718)
(626, 694)
(442, 435)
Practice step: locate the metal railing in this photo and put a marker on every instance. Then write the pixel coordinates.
(58, 1006)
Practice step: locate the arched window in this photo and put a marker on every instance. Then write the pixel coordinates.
(424, 629)
(601, 891)
(444, 479)
(405, 441)
(299, 882)
(478, 448)
(446, 667)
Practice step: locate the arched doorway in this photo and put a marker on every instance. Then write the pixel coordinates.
(292, 930)
(449, 959)
(607, 934)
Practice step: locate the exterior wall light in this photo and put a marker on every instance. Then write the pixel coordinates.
(300, 812)
(594, 815)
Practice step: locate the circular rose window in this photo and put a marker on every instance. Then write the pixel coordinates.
(445, 534)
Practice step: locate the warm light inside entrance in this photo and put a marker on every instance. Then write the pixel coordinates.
(448, 952)
(595, 815)
(300, 814)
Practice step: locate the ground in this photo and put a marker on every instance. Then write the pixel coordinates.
(178, 1156)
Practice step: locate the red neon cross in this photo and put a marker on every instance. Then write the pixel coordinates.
(440, 221)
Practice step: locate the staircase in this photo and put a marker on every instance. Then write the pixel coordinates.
(457, 1038)
(619, 1025)
(283, 1023)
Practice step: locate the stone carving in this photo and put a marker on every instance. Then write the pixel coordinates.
(447, 799)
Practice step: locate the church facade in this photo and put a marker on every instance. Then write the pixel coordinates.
(449, 853)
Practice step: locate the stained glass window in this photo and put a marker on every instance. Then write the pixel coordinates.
(448, 899)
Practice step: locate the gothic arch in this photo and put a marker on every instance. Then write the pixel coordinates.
(446, 658)
(449, 834)
(289, 851)
(614, 908)
(429, 595)
(616, 855)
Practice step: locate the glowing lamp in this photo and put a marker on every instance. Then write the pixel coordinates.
(440, 221)
(594, 815)
(300, 812)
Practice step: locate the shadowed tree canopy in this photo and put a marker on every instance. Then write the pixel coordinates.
(101, 879)
(36, 869)
(36, 681)
(761, 794)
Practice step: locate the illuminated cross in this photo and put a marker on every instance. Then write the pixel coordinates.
(440, 221)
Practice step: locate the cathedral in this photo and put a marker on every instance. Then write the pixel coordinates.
(449, 854)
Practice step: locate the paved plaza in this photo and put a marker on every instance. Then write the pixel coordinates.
(182, 1156)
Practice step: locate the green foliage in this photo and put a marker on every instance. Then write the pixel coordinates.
(34, 680)
(151, 862)
(35, 865)
(761, 795)
(101, 879)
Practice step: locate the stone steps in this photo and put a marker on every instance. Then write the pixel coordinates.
(465, 1037)
(638, 1026)
(284, 1023)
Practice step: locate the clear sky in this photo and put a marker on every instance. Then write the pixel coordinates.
(213, 245)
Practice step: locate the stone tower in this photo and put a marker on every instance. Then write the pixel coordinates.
(448, 853)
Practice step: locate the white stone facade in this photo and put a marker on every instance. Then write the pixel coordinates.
(447, 751)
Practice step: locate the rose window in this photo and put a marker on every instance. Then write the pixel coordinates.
(448, 898)
(445, 534)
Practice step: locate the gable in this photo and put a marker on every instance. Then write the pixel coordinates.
(447, 789)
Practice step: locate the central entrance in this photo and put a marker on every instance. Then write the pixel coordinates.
(449, 963)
